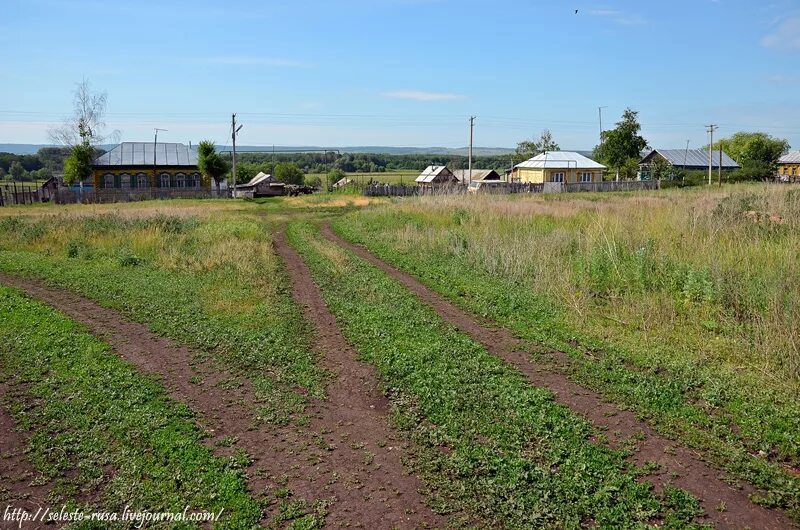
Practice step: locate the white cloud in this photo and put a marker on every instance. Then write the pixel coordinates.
(244, 60)
(625, 19)
(419, 95)
(786, 36)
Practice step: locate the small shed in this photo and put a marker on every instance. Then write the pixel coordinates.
(463, 175)
(342, 182)
(262, 185)
(436, 176)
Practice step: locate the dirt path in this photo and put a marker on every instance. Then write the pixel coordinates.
(383, 495)
(20, 486)
(356, 467)
(693, 474)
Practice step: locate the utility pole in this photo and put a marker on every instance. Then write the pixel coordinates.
(471, 126)
(710, 128)
(234, 132)
(600, 117)
(719, 169)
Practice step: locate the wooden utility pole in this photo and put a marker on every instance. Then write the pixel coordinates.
(710, 128)
(719, 169)
(471, 126)
(234, 131)
(600, 117)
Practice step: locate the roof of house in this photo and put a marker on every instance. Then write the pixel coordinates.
(344, 181)
(260, 178)
(141, 154)
(477, 174)
(560, 160)
(693, 157)
(432, 172)
(792, 157)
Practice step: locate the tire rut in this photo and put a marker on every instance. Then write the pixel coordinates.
(326, 460)
(678, 465)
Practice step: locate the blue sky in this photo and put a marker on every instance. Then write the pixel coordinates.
(404, 72)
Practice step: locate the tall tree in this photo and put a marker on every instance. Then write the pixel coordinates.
(83, 131)
(16, 170)
(753, 148)
(289, 173)
(529, 148)
(210, 164)
(622, 146)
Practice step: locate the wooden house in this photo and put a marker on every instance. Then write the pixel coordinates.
(146, 166)
(789, 166)
(689, 159)
(463, 175)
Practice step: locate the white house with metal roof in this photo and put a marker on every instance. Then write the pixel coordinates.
(558, 167)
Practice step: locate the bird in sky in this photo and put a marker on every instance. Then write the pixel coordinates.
(576, 11)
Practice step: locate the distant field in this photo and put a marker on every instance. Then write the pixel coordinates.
(393, 177)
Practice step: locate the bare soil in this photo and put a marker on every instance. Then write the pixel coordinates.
(347, 456)
(726, 506)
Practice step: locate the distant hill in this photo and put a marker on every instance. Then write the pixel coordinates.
(27, 149)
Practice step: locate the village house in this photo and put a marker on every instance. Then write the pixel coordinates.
(688, 159)
(558, 167)
(463, 175)
(262, 185)
(436, 176)
(145, 165)
(789, 166)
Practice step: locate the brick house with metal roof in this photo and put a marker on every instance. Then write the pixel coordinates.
(148, 166)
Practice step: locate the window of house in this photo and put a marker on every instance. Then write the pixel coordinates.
(180, 180)
(794, 170)
(165, 180)
(108, 180)
(125, 181)
(557, 177)
(142, 181)
(586, 176)
(195, 180)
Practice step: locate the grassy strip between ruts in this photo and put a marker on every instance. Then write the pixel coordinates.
(213, 284)
(494, 446)
(88, 411)
(669, 395)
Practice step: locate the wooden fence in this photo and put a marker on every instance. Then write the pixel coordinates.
(12, 193)
(395, 190)
(72, 196)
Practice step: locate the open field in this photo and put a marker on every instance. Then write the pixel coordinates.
(609, 360)
(362, 179)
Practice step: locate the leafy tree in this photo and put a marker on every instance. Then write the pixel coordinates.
(529, 148)
(754, 150)
(622, 146)
(289, 173)
(246, 171)
(334, 176)
(16, 170)
(78, 165)
(210, 164)
(660, 169)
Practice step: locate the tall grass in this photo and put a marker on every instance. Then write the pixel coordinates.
(704, 257)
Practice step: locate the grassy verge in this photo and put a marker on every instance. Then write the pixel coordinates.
(493, 445)
(88, 412)
(212, 282)
(645, 322)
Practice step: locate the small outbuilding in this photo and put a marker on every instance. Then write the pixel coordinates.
(262, 185)
(464, 177)
(436, 176)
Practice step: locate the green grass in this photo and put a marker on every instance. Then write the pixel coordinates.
(89, 414)
(645, 318)
(494, 446)
(213, 283)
